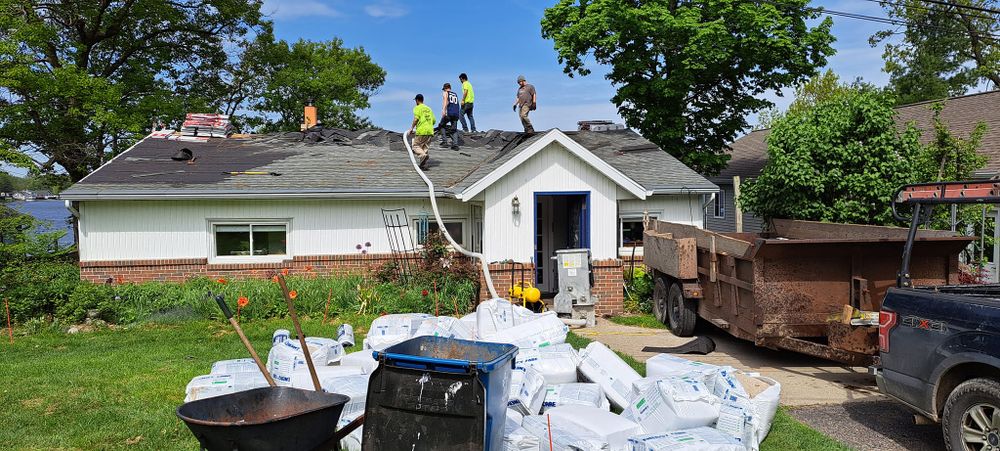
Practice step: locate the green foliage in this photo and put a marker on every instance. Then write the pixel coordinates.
(639, 320)
(638, 290)
(837, 155)
(824, 86)
(943, 50)
(36, 289)
(688, 73)
(87, 79)
(840, 160)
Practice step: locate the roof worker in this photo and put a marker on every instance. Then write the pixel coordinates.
(468, 97)
(423, 123)
(450, 111)
(525, 102)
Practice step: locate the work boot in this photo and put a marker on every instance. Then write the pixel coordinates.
(454, 147)
(423, 161)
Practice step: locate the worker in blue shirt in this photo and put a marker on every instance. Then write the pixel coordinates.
(450, 112)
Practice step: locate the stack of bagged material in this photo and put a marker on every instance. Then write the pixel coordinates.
(680, 405)
(206, 125)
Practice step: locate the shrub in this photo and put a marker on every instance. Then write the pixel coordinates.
(638, 290)
(34, 289)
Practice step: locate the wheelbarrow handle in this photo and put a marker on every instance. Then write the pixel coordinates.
(348, 428)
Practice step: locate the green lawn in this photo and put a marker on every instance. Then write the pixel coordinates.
(119, 388)
(639, 320)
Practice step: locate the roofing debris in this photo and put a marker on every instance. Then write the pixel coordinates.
(210, 125)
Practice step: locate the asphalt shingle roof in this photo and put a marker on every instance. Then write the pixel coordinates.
(960, 114)
(347, 162)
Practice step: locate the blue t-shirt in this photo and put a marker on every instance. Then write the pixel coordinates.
(453, 108)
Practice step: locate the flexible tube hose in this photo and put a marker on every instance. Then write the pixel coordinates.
(440, 222)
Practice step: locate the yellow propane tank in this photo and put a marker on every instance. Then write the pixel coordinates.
(532, 294)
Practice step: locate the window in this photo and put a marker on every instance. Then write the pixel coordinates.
(720, 205)
(250, 240)
(631, 230)
(455, 228)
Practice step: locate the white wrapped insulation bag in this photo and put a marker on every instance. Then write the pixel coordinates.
(748, 418)
(601, 365)
(575, 394)
(345, 335)
(286, 358)
(363, 359)
(557, 363)
(672, 403)
(542, 330)
(697, 439)
(495, 315)
(211, 385)
(388, 330)
(516, 438)
(566, 436)
(354, 386)
(612, 429)
(527, 391)
(662, 365)
(302, 379)
(234, 366)
(444, 326)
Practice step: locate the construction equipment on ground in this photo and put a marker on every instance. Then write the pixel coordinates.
(575, 280)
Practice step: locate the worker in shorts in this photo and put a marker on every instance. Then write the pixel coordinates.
(450, 111)
(525, 102)
(423, 124)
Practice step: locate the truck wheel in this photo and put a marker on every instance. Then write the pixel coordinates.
(660, 287)
(683, 313)
(971, 420)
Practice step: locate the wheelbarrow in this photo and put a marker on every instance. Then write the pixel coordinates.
(270, 418)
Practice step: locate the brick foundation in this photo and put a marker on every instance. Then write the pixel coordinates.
(608, 283)
(179, 270)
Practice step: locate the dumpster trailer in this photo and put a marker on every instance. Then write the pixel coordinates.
(788, 288)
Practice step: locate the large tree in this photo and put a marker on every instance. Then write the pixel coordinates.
(942, 50)
(688, 72)
(83, 80)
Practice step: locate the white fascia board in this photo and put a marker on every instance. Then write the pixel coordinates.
(557, 136)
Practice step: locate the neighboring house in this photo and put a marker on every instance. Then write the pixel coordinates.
(961, 114)
(143, 216)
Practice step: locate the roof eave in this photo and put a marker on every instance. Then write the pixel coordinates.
(126, 195)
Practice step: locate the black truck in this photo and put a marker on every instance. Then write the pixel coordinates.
(939, 346)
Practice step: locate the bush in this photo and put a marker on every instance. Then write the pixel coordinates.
(638, 290)
(35, 289)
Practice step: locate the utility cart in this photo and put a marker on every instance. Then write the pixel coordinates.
(787, 289)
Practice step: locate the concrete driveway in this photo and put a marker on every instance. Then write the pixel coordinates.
(841, 401)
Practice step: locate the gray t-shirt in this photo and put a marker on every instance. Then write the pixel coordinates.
(525, 93)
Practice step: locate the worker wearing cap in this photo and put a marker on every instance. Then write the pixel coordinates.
(450, 112)
(525, 102)
(468, 97)
(423, 124)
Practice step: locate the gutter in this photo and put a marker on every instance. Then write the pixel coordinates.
(244, 195)
(72, 210)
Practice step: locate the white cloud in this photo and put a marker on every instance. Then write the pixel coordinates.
(386, 10)
(286, 9)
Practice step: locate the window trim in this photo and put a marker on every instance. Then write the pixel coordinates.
(414, 220)
(224, 259)
(632, 216)
(719, 205)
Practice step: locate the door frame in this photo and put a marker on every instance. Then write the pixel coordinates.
(585, 219)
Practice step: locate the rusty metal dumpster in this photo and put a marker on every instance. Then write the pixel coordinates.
(785, 289)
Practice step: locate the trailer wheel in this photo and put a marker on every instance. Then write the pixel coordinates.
(682, 313)
(660, 288)
(971, 419)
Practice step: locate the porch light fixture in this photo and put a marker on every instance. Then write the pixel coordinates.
(515, 206)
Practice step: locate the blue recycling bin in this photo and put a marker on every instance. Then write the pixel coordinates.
(439, 393)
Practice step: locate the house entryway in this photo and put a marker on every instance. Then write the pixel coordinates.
(562, 221)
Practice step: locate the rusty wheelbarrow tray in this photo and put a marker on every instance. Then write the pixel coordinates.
(781, 289)
(265, 419)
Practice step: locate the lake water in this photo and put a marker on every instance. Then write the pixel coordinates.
(52, 212)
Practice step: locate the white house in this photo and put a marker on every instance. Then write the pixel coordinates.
(247, 206)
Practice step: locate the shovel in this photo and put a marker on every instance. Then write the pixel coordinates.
(221, 300)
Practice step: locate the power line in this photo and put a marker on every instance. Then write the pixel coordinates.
(974, 8)
(929, 9)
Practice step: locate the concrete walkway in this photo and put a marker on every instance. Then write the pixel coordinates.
(841, 401)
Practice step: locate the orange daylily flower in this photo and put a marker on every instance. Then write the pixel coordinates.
(222, 281)
(242, 301)
(284, 272)
(274, 279)
(292, 294)
(309, 268)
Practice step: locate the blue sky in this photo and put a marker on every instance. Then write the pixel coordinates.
(424, 44)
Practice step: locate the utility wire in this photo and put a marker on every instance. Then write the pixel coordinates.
(931, 9)
(974, 8)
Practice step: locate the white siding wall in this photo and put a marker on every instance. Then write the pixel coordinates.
(552, 169)
(137, 230)
(682, 209)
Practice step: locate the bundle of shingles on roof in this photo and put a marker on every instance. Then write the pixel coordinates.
(206, 125)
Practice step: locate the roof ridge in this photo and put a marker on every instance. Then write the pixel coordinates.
(925, 102)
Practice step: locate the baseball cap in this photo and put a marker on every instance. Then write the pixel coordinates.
(520, 78)
(419, 97)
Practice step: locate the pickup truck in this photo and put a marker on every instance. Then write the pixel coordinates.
(939, 346)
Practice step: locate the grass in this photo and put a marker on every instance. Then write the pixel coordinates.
(115, 389)
(787, 433)
(639, 320)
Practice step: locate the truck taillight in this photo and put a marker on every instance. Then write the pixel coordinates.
(886, 321)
